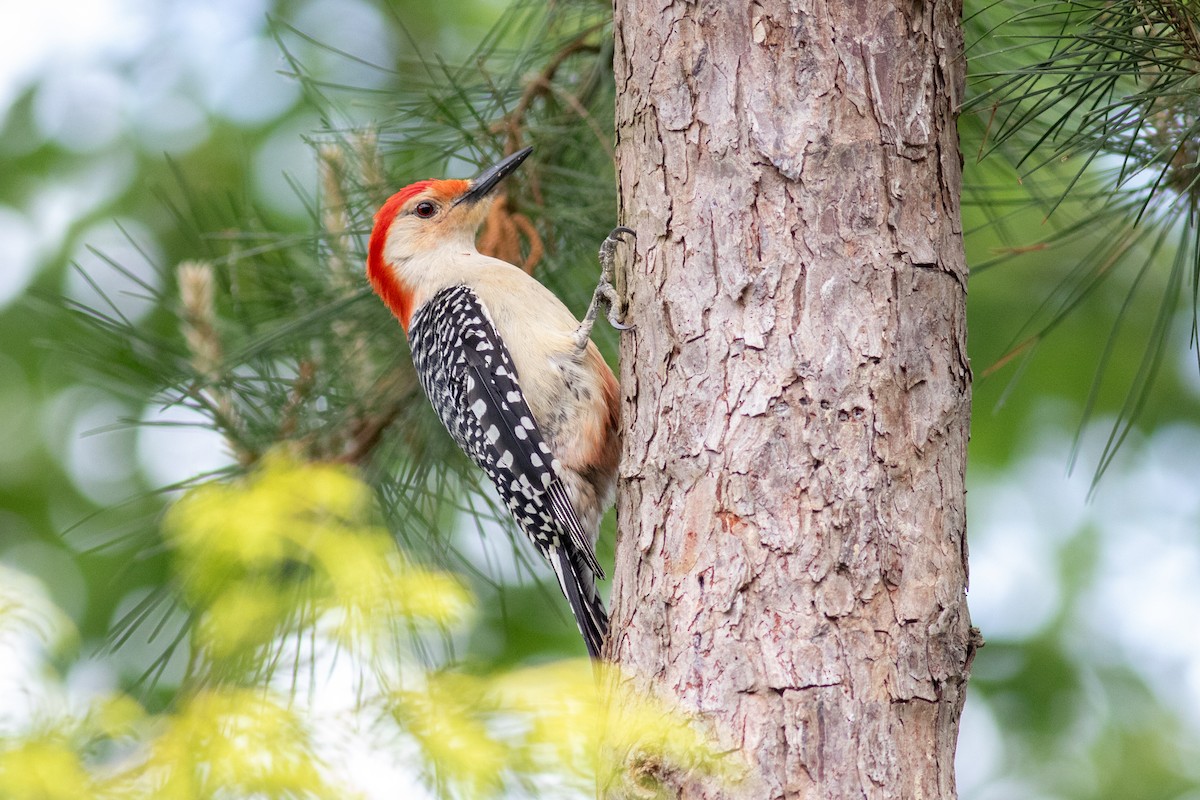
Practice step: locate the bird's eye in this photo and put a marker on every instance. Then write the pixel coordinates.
(425, 210)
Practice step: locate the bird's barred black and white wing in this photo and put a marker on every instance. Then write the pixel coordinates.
(469, 377)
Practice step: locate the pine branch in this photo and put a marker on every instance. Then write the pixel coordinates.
(1095, 104)
(275, 338)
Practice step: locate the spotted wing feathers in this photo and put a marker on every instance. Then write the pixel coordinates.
(468, 374)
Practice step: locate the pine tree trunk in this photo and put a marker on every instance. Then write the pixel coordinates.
(792, 557)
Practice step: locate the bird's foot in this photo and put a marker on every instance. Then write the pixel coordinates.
(605, 289)
(606, 292)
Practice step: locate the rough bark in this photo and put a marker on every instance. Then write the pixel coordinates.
(792, 557)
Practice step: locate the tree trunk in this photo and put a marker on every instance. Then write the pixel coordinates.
(792, 557)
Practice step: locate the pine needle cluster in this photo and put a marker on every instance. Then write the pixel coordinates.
(274, 339)
(1090, 110)
(285, 556)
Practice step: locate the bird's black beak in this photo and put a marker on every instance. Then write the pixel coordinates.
(484, 182)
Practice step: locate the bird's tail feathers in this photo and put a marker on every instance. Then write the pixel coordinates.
(578, 584)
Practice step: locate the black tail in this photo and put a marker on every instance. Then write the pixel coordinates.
(579, 585)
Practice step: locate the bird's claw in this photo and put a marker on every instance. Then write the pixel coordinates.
(617, 322)
(605, 290)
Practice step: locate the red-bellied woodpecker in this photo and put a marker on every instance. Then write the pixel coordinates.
(510, 371)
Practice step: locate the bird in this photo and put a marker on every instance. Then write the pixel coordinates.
(509, 370)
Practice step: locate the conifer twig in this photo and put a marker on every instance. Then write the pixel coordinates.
(199, 326)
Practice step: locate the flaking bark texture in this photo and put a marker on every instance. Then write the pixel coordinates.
(792, 557)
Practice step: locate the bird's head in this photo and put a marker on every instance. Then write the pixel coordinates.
(422, 219)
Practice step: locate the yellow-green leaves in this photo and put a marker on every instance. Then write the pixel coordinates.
(293, 544)
(448, 717)
(61, 757)
(292, 552)
(573, 724)
(44, 768)
(235, 743)
(220, 743)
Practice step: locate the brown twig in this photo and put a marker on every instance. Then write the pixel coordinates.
(540, 85)
(366, 432)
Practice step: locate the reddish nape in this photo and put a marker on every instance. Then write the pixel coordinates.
(395, 295)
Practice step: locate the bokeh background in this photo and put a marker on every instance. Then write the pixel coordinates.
(115, 114)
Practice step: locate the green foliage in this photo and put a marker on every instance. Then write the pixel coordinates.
(289, 552)
(581, 723)
(1096, 106)
(261, 324)
(291, 544)
(44, 769)
(270, 335)
(233, 741)
(275, 340)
